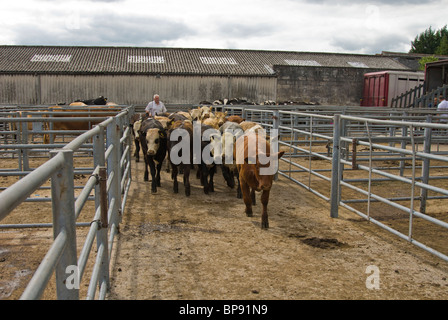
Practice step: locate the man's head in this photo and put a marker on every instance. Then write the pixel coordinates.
(156, 98)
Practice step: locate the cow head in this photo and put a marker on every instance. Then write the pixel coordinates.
(257, 160)
(136, 128)
(153, 137)
(196, 114)
(262, 168)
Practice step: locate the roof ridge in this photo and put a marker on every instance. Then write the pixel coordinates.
(189, 49)
(166, 60)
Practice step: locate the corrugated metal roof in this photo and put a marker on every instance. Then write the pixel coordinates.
(138, 60)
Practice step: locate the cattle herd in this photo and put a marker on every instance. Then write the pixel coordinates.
(204, 140)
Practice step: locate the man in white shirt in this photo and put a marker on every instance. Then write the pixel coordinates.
(443, 105)
(155, 107)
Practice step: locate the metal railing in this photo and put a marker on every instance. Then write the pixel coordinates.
(427, 100)
(110, 181)
(337, 155)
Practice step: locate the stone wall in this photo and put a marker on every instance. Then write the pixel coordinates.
(324, 85)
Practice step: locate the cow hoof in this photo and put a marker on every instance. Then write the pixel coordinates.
(153, 191)
(265, 226)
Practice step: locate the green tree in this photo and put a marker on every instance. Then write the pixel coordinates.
(443, 47)
(431, 42)
(423, 61)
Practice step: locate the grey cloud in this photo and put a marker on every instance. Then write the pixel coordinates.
(371, 45)
(104, 30)
(349, 2)
(241, 30)
(108, 1)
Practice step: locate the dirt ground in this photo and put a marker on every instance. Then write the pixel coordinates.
(204, 247)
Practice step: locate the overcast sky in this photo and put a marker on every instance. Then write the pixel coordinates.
(367, 27)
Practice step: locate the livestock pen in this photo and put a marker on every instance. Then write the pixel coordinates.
(103, 155)
(386, 165)
(365, 160)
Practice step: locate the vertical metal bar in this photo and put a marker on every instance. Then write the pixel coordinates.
(309, 154)
(295, 124)
(403, 145)
(113, 165)
(425, 165)
(369, 191)
(25, 152)
(63, 203)
(354, 154)
(335, 168)
(102, 241)
(102, 203)
(275, 126)
(411, 211)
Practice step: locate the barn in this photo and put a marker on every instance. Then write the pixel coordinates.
(132, 75)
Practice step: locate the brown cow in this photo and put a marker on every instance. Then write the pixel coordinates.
(221, 116)
(236, 119)
(73, 112)
(255, 173)
(212, 122)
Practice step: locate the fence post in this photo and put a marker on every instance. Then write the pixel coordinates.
(334, 197)
(102, 241)
(25, 152)
(425, 165)
(113, 168)
(275, 126)
(63, 203)
(101, 201)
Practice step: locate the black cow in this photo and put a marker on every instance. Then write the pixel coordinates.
(207, 170)
(185, 133)
(135, 124)
(100, 101)
(153, 139)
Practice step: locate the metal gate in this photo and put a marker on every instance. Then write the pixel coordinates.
(110, 144)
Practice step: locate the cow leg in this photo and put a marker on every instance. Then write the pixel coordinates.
(152, 167)
(264, 216)
(211, 184)
(137, 150)
(204, 177)
(199, 174)
(174, 177)
(239, 194)
(252, 196)
(159, 168)
(187, 170)
(228, 176)
(168, 161)
(245, 189)
(146, 178)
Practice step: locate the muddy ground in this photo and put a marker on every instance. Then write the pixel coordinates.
(204, 247)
